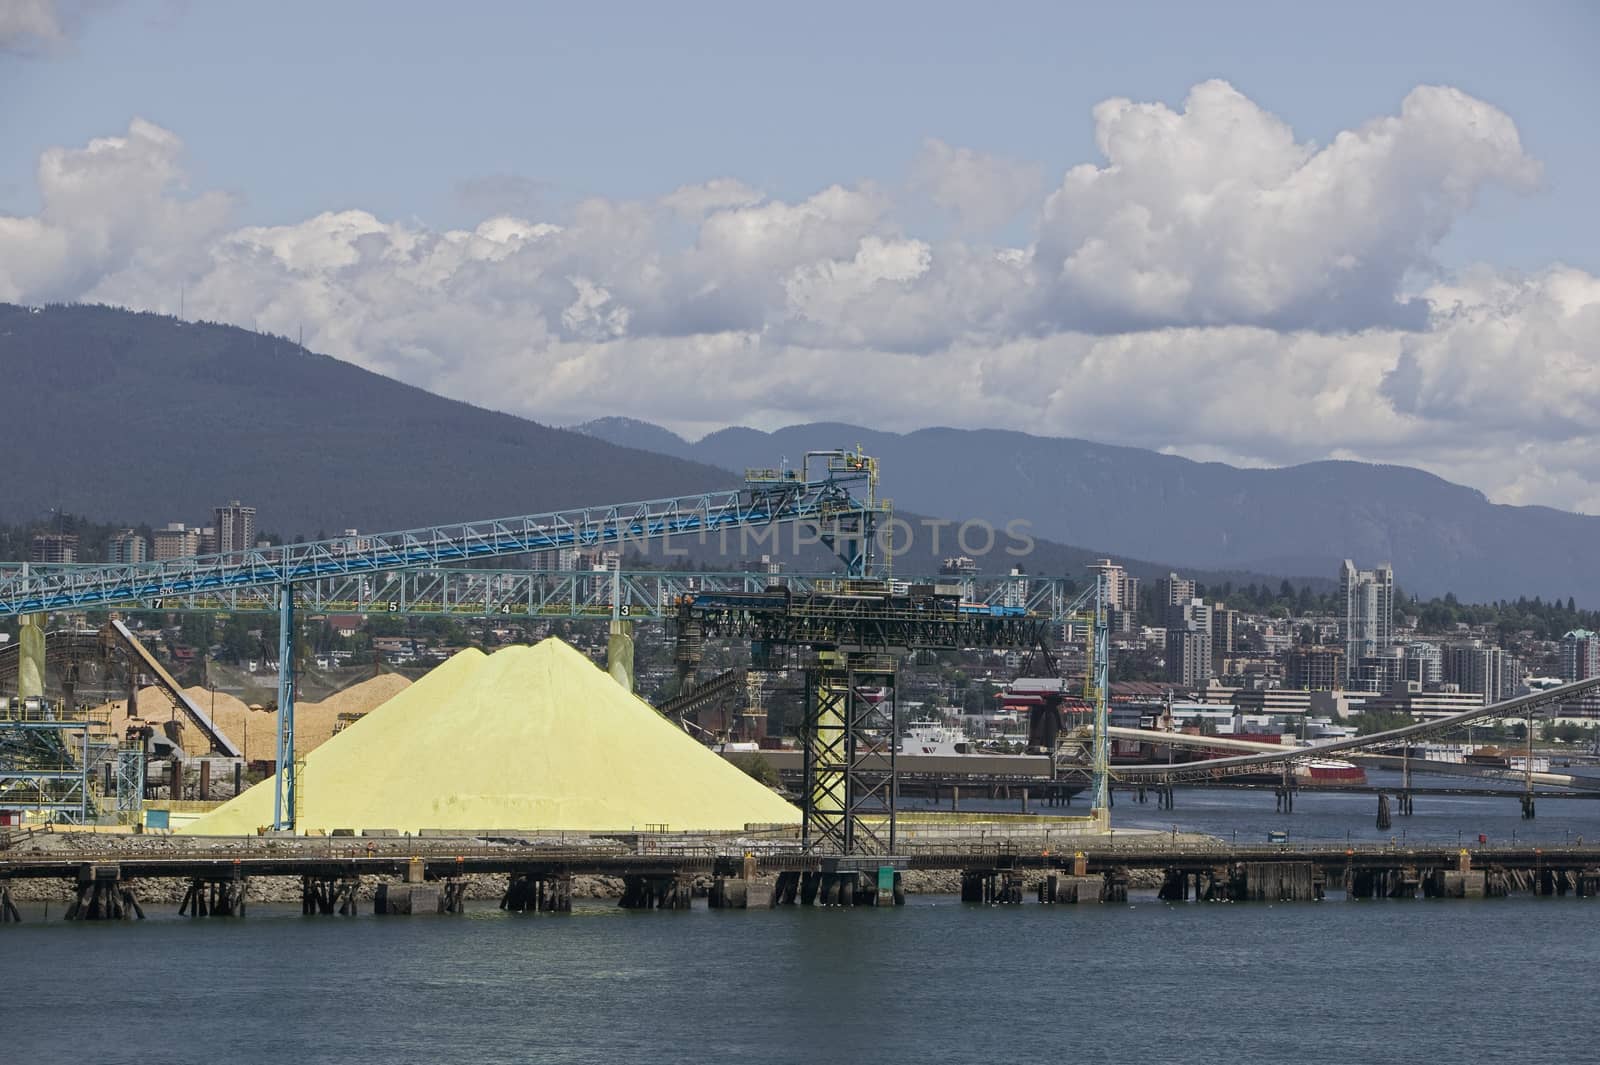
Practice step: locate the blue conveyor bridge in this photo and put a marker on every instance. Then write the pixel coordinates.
(836, 491)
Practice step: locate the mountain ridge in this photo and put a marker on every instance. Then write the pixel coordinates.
(149, 419)
(142, 417)
(1303, 519)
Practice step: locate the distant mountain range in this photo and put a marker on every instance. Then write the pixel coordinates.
(1298, 520)
(124, 416)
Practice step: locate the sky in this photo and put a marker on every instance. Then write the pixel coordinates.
(1254, 233)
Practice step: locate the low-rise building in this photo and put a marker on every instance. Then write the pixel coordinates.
(1272, 701)
(1410, 698)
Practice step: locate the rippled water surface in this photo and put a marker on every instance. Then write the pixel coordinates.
(934, 981)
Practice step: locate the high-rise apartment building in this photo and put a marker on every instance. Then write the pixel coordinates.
(1222, 622)
(54, 548)
(1315, 667)
(235, 527)
(1378, 673)
(127, 548)
(1189, 644)
(1580, 655)
(1487, 671)
(1424, 663)
(1369, 615)
(1172, 590)
(1122, 591)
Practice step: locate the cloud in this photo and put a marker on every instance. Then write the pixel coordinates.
(42, 27)
(116, 204)
(1212, 286)
(984, 192)
(1218, 215)
(697, 201)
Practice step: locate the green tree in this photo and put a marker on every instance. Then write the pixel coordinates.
(758, 768)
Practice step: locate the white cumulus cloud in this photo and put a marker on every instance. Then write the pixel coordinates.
(1217, 214)
(983, 191)
(1212, 285)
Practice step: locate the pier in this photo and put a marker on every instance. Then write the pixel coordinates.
(429, 876)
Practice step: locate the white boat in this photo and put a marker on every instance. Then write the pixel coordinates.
(930, 737)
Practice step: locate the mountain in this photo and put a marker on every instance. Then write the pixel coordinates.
(144, 418)
(1440, 537)
(117, 415)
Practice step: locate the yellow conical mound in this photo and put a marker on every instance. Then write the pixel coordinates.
(530, 738)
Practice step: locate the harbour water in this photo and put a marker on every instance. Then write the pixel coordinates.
(934, 981)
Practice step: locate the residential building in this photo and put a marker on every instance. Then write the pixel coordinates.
(1580, 655)
(54, 548)
(127, 548)
(565, 559)
(1380, 672)
(1122, 591)
(1312, 667)
(1368, 596)
(1172, 590)
(175, 541)
(1486, 671)
(1222, 623)
(1424, 663)
(235, 527)
(207, 540)
(1188, 644)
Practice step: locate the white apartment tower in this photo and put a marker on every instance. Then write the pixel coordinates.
(1368, 615)
(1122, 591)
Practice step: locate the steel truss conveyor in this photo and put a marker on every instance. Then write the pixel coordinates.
(640, 594)
(769, 496)
(834, 490)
